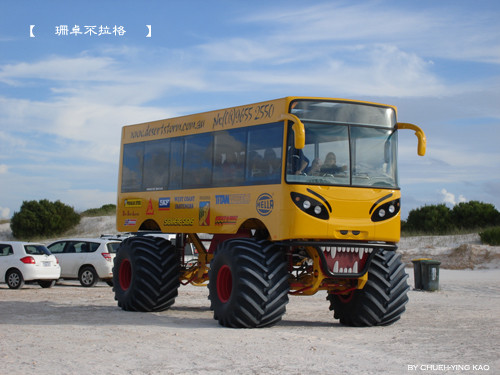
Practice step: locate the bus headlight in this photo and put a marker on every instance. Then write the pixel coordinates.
(310, 206)
(386, 210)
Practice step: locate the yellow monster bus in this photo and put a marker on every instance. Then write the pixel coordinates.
(288, 196)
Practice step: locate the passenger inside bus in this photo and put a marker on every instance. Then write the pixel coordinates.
(297, 161)
(330, 165)
(314, 169)
(272, 164)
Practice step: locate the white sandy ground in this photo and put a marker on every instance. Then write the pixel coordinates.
(73, 330)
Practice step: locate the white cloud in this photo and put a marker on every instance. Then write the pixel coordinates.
(79, 187)
(83, 116)
(58, 68)
(82, 199)
(4, 213)
(243, 51)
(443, 31)
(451, 199)
(383, 70)
(333, 21)
(3, 168)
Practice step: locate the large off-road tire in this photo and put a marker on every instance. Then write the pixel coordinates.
(382, 301)
(248, 284)
(146, 274)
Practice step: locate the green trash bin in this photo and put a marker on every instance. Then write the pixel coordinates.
(426, 273)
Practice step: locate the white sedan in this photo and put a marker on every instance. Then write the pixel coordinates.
(22, 262)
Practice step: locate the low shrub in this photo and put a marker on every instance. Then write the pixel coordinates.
(104, 210)
(491, 236)
(42, 219)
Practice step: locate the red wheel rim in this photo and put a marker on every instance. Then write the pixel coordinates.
(125, 274)
(224, 283)
(346, 298)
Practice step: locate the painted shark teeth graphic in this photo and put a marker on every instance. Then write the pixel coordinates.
(346, 259)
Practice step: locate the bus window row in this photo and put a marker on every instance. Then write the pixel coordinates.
(244, 156)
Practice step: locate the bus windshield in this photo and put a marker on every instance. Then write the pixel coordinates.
(346, 144)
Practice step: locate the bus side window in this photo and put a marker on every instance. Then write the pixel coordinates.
(133, 159)
(176, 158)
(229, 156)
(264, 154)
(156, 163)
(197, 170)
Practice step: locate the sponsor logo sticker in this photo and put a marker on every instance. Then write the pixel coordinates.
(223, 220)
(164, 204)
(204, 214)
(150, 210)
(133, 203)
(232, 199)
(178, 222)
(184, 203)
(264, 204)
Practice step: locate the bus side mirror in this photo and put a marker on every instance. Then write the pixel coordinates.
(299, 130)
(422, 141)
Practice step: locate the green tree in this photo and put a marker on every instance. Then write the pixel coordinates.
(429, 219)
(42, 218)
(475, 214)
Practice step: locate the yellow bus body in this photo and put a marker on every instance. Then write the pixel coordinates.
(239, 204)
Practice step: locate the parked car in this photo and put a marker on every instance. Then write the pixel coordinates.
(22, 262)
(86, 259)
(190, 255)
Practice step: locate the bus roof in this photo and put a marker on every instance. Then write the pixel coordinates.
(233, 117)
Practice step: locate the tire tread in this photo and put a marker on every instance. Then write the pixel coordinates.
(382, 301)
(156, 275)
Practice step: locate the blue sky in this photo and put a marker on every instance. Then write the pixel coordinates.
(64, 98)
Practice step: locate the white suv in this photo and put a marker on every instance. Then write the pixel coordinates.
(86, 259)
(22, 262)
